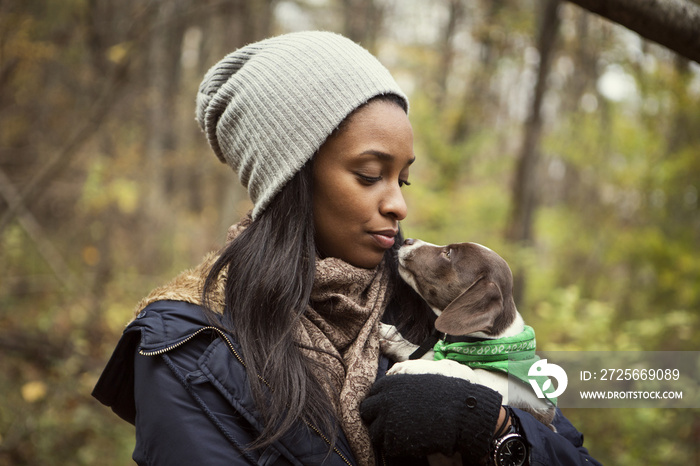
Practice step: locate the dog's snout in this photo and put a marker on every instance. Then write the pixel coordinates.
(409, 241)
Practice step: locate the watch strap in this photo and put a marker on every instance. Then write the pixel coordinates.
(502, 430)
(512, 432)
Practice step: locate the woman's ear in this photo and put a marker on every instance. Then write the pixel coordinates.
(475, 310)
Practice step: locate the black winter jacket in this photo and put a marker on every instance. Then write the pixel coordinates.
(172, 368)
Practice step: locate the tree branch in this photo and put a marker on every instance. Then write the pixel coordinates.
(50, 170)
(672, 23)
(46, 249)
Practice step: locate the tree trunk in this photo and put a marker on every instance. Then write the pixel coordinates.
(363, 20)
(163, 82)
(525, 185)
(671, 23)
(455, 13)
(479, 93)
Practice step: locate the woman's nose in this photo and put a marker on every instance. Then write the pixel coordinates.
(394, 204)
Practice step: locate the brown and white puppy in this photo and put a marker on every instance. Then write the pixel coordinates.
(470, 289)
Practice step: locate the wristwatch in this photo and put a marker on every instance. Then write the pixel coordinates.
(510, 449)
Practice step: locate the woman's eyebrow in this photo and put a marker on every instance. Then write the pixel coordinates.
(384, 156)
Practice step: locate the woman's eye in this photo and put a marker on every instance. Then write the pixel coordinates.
(366, 179)
(369, 179)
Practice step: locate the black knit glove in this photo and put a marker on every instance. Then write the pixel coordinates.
(420, 414)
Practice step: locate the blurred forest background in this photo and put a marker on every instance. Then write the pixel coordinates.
(564, 141)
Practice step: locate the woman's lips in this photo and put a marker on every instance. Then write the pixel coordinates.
(385, 239)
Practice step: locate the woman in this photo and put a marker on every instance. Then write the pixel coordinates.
(268, 351)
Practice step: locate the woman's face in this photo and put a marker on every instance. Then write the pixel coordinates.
(358, 174)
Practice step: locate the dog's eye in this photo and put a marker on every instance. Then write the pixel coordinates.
(447, 253)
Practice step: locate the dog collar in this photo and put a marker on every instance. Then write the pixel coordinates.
(467, 349)
(513, 355)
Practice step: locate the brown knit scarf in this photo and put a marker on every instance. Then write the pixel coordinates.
(339, 331)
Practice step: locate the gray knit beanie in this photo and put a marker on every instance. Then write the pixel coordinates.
(267, 107)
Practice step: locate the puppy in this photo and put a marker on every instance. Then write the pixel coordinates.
(469, 287)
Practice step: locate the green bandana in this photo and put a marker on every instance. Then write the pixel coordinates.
(512, 355)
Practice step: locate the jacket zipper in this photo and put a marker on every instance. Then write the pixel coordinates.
(175, 345)
(335, 449)
(238, 357)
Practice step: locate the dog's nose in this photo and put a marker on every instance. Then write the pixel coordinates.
(409, 241)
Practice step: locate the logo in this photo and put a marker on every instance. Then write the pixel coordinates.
(540, 370)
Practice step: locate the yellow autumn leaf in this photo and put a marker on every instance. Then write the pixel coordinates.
(34, 391)
(118, 52)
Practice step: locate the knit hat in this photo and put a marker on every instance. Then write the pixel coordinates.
(267, 107)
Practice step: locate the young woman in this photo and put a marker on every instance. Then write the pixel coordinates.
(268, 351)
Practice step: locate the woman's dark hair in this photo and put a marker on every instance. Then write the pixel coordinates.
(270, 271)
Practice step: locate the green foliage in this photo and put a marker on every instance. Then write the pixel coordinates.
(461, 190)
(638, 436)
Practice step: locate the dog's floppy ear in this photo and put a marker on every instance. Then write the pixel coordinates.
(474, 310)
